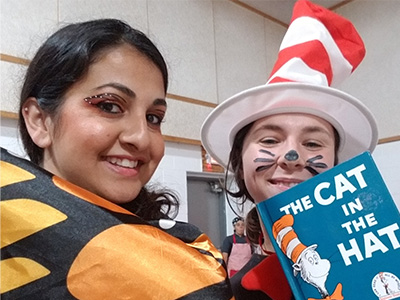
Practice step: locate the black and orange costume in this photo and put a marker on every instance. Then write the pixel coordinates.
(59, 241)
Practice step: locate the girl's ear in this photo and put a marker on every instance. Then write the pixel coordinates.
(37, 123)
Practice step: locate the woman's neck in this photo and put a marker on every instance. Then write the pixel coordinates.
(267, 244)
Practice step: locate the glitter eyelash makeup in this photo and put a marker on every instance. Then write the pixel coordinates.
(101, 96)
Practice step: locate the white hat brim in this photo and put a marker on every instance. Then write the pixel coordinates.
(354, 122)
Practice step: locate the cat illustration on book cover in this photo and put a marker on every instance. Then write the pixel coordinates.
(306, 260)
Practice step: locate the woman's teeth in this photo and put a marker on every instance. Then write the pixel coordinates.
(287, 184)
(126, 163)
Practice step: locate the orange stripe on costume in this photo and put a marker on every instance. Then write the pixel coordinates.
(125, 251)
(88, 196)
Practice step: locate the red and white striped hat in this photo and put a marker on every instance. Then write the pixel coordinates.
(287, 239)
(319, 51)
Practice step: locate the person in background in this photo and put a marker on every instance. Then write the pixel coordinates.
(79, 220)
(236, 249)
(296, 126)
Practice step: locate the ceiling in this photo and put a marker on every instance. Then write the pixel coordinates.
(281, 10)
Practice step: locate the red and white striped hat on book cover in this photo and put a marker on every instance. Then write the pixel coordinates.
(319, 51)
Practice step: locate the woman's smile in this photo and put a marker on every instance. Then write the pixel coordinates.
(123, 162)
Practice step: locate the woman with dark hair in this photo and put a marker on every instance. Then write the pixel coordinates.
(80, 220)
(236, 249)
(277, 135)
(66, 59)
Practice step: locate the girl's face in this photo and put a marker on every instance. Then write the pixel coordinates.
(283, 150)
(107, 137)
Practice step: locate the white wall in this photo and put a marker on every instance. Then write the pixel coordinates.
(387, 159)
(376, 80)
(172, 172)
(214, 49)
(9, 137)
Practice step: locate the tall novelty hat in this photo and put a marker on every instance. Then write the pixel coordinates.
(319, 51)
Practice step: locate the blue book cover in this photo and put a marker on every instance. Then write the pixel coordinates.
(337, 234)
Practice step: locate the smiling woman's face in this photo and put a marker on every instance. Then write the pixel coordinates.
(283, 150)
(107, 136)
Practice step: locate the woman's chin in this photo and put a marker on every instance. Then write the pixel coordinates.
(120, 198)
(273, 190)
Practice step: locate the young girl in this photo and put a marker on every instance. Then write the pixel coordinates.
(278, 135)
(78, 220)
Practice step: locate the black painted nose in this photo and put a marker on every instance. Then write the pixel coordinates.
(292, 155)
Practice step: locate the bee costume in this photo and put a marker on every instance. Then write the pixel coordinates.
(59, 241)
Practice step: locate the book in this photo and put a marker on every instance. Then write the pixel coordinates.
(337, 234)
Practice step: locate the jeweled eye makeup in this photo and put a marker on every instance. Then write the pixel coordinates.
(109, 103)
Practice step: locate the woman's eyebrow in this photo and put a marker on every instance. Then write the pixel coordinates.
(122, 88)
(311, 129)
(160, 101)
(130, 93)
(273, 127)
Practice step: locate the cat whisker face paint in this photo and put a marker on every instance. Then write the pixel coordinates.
(268, 162)
(311, 165)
